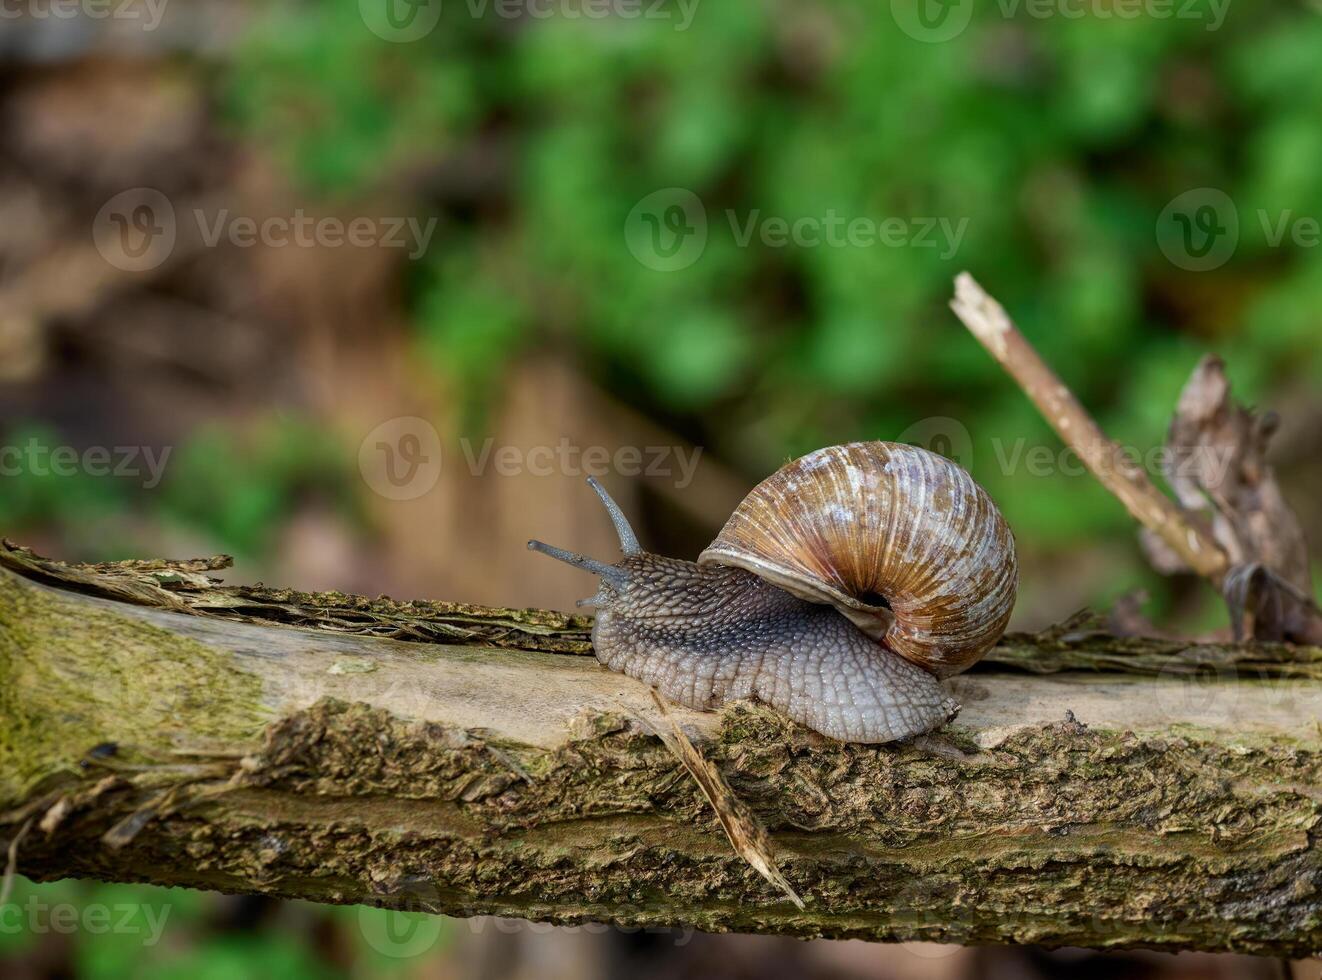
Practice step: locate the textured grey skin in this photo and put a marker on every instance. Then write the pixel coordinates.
(704, 635)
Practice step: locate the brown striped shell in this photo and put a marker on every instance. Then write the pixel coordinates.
(899, 539)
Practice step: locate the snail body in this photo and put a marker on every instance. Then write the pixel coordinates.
(840, 592)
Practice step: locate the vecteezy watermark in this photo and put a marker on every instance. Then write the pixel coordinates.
(1211, 11)
(934, 21)
(411, 20)
(411, 926)
(1209, 464)
(1199, 230)
(36, 458)
(834, 230)
(123, 919)
(148, 13)
(401, 459)
(565, 458)
(410, 929)
(950, 438)
(303, 231)
(667, 230)
(137, 230)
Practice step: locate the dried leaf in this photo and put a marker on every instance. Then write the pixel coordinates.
(1217, 467)
(746, 835)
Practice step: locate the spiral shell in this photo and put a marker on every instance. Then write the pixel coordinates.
(898, 539)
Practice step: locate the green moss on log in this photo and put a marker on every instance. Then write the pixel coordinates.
(74, 677)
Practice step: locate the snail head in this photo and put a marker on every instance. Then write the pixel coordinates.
(614, 578)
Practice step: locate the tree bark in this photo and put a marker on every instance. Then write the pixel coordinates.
(1095, 791)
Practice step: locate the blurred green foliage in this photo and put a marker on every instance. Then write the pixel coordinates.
(149, 933)
(1053, 144)
(236, 487)
(239, 487)
(1059, 139)
(37, 493)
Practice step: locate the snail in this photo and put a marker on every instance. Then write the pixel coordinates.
(840, 592)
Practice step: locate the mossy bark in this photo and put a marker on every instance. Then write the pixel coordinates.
(458, 764)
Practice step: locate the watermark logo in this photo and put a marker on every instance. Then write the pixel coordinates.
(932, 21)
(942, 435)
(400, 21)
(138, 229)
(37, 458)
(928, 903)
(410, 928)
(1194, 695)
(401, 458)
(123, 919)
(148, 13)
(1199, 230)
(667, 230)
(135, 230)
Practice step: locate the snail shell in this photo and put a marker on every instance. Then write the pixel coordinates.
(898, 539)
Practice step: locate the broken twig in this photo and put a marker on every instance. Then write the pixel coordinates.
(989, 323)
(1230, 524)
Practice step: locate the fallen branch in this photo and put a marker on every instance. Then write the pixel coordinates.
(191, 737)
(1231, 526)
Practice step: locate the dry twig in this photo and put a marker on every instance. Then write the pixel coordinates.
(988, 322)
(1230, 525)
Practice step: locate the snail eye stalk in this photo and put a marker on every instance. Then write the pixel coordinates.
(628, 540)
(616, 578)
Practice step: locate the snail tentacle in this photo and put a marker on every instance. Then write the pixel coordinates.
(609, 573)
(628, 540)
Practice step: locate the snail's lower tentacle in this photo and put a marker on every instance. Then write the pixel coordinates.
(610, 574)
